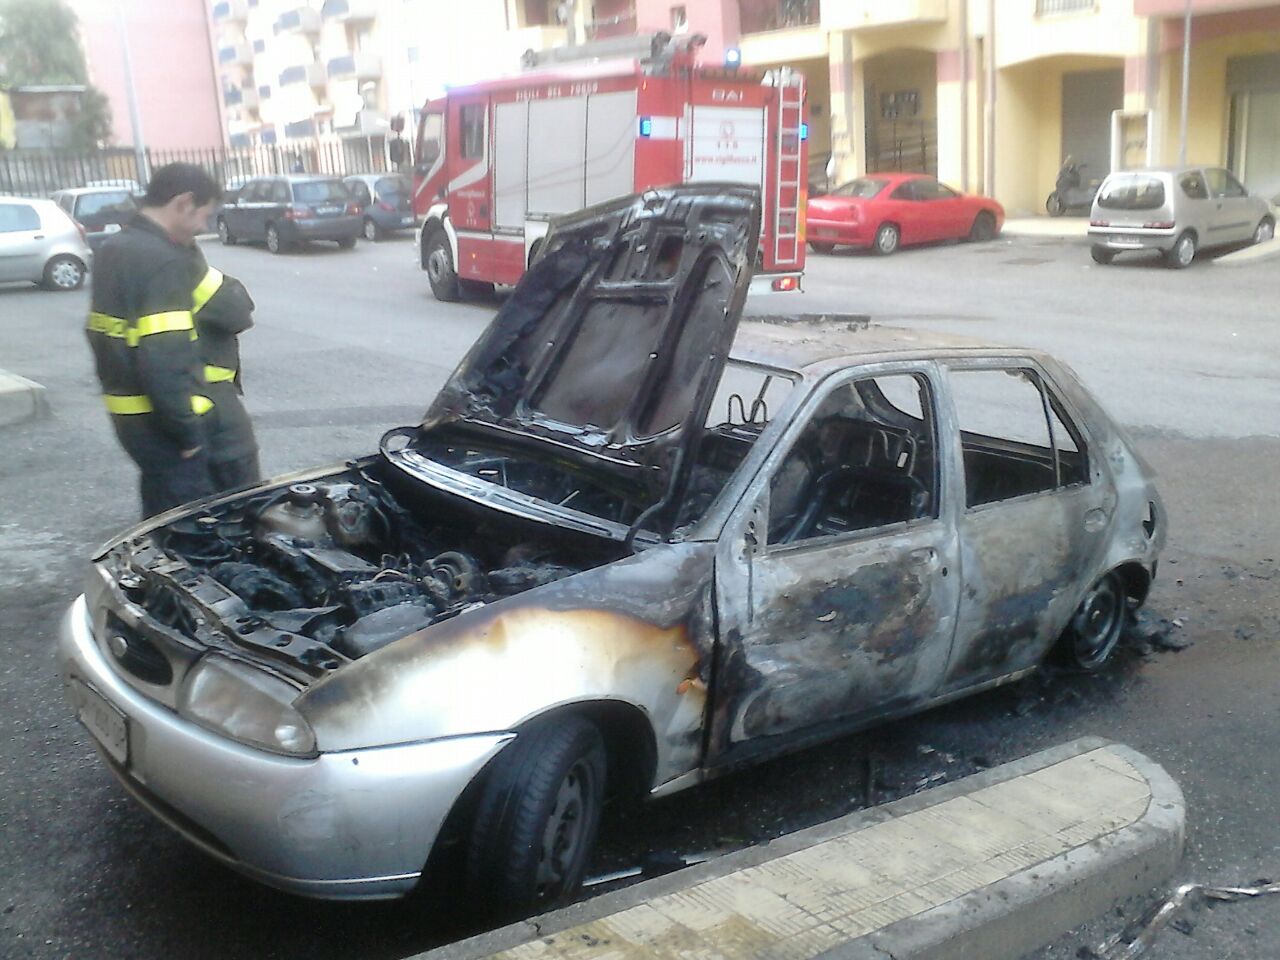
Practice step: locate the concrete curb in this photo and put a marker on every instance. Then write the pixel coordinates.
(21, 399)
(1252, 254)
(1053, 228)
(999, 921)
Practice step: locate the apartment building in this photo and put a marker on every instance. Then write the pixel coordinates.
(992, 94)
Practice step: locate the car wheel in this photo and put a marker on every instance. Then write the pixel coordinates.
(1102, 255)
(984, 228)
(887, 238)
(274, 242)
(372, 232)
(822, 247)
(346, 243)
(1264, 231)
(224, 233)
(63, 272)
(1183, 251)
(1095, 627)
(1053, 205)
(440, 272)
(536, 820)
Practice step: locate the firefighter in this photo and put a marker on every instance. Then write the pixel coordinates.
(223, 310)
(143, 337)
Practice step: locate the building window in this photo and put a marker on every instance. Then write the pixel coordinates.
(1063, 6)
(679, 20)
(259, 46)
(412, 54)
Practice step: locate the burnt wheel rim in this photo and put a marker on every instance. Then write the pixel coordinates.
(65, 274)
(565, 833)
(1097, 622)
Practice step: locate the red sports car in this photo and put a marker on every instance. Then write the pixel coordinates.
(884, 211)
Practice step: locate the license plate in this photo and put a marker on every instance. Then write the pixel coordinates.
(326, 211)
(107, 724)
(406, 221)
(1123, 239)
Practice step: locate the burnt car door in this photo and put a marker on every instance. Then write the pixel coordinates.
(836, 577)
(1036, 513)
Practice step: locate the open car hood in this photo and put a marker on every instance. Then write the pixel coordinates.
(609, 350)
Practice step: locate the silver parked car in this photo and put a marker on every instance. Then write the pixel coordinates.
(102, 211)
(1177, 211)
(616, 557)
(40, 244)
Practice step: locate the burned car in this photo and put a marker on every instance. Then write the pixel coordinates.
(633, 544)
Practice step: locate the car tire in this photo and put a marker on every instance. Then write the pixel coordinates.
(224, 233)
(275, 242)
(984, 228)
(536, 819)
(887, 238)
(1096, 626)
(437, 260)
(372, 232)
(1183, 251)
(63, 272)
(1264, 231)
(822, 247)
(1053, 205)
(347, 243)
(1101, 254)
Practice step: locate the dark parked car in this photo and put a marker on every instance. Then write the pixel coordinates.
(629, 548)
(385, 202)
(285, 211)
(102, 211)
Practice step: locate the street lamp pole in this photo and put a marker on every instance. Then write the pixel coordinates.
(1186, 83)
(135, 118)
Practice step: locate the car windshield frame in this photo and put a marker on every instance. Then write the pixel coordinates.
(1129, 191)
(857, 189)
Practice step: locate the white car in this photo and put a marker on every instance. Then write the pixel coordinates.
(39, 243)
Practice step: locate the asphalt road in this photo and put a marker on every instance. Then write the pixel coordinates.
(350, 344)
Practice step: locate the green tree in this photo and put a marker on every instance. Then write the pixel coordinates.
(40, 43)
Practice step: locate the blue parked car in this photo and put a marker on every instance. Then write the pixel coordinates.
(385, 200)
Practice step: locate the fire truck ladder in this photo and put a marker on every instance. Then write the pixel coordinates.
(787, 199)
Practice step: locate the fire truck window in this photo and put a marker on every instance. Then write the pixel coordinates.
(429, 140)
(472, 117)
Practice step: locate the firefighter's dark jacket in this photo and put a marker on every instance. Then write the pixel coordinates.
(223, 310)
(143, 335)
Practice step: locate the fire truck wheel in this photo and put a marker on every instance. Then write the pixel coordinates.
(439, 263)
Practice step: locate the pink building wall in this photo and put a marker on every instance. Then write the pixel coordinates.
(178, 96)
(717, 19)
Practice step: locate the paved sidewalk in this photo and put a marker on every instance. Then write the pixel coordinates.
(989, 867)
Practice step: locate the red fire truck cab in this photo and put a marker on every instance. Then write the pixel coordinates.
(497, 160)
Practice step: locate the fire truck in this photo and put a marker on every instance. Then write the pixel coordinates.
(496, 161)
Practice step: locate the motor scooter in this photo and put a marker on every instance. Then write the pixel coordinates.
(1071, 191)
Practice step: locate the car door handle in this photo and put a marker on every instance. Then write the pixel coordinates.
(1095, 520)
(38, 236)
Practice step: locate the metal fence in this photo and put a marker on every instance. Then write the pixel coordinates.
(38, 173)
(1063, 6)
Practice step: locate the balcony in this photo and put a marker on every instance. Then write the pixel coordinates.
(360, 66)
(300, 128)
(235, 55)
(350, 11)
(246, 97)
(615, 19)
(298, 20)
(311, 74)
(856, 14)
(758, 16)
(1051, 7)
(230, 11)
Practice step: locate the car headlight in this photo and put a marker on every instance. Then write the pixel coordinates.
(247, 705)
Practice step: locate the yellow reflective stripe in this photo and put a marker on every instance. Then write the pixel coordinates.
(107, 325)
(205, 289)
(214, 374)
(126, 406)
(165, 323)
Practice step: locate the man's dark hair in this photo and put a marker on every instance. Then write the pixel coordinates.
(177, 178)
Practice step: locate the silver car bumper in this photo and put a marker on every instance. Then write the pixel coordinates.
(1121, 240)
(355, 824)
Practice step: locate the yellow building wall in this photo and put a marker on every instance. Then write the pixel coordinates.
(1208, 104)
(1109, 28)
